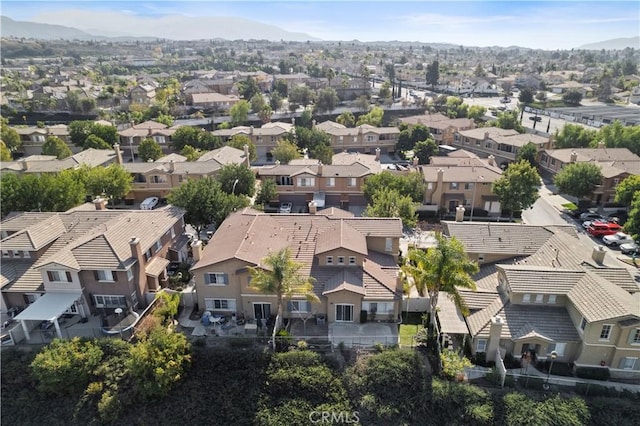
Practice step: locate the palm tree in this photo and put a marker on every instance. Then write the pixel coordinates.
(280, 275)
(445, 268)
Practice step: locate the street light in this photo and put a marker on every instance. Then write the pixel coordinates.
(118, 312)
(554, 355)
(473, 196)
(233, 190)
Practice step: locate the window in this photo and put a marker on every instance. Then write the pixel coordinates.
(59, 276)
(429, 185)
(340, 260)
(558, 347)
(553, 161)
(370, 138)
(526, 298)
(605, 333)
(331, 181)
(129, 274)
(5, 253)
(16, 253)
(482, 345)
(539, 298)
(104, 275)
(352, 260)
(378, 307)
(284, 180)
(628, 363)
(616, 181)
(109, 301)
(306, 182)
(341, 139)
(453, 185)
(30, 298)
(158, 246)
(344, 313)
(635, 336)
(216, 278)
(159, 139)
(388, 244)
(173, 233)
(134, 300)
(351, 182)
(158, 179)
(147, 254)
(329, 260)
(468, 186)
(583, 323)
(552, 299)
(301, 306)
(26, 254)
(220, 304)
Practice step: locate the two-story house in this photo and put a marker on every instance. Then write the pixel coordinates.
(39, 164)
(265, 138)
(33, 138)
(212, 100)
(503, 144)
(84, 261)
(131, 137)
(461, 179)
(540, 289)
(441, 127)
(616, 164)
(353, 262)
(338, 184)
(365, 138)
(142, 94)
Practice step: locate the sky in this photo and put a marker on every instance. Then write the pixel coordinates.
(541, 24)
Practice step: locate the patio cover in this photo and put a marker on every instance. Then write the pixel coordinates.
(156, 266)
(49, 306)
(451, 320)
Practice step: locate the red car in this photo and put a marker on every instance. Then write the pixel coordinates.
(600, 229)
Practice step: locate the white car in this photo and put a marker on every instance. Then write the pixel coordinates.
(630, 248)
(617, 239)
(285, 207)
(149, 203)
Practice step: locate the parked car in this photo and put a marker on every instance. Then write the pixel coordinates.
(285, 207)
(589, 215)
(615, 240)
(586, 223)
(630, 248)
(149, 203)
(600, 229)
(535, 118)
(505, 100)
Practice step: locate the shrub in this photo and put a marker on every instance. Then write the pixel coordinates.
(453, 363)
(511, 362)
(595, 373)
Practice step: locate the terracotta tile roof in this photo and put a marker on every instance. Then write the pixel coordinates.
(20, 277)
(593, 154)
(333, 211)
(540, 279)
(344, 279)
(597, 299)
(35, 236)
(156, 266)
(340, 235)
(477, 300)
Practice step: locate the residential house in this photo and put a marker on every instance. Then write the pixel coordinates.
(132, 136)
(265, 138)
(216, 101)
(160, 177)
(503, 144)
(441, 127)
(338, 184)
(33, 138)
(142, 94)
(570, 85)
(616, 164)
(84, 261)
(461, 179)
(540, 289)
(40, 164)
(364, 138)
(352, 260)
(350, 89)
(222, 86)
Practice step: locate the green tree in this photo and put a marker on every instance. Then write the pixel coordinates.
(149, 150)
(327, 100)
(56, 146)
(280, 87)
(442, 268)
(572, 97)
(509, 120)
(479, 71)
(627, 189)
(158, 361)
(281, 276)
(476, 112)
(275, 101)
(112, 182)
(616, 135)
(265, 114)
(191, 153)
(433, 73)
(632, 227)
(322, 152)
(453, 363)
(9, 136)
(578, 179)
(268, 192)
(165, 119)
(239, 112)
(65, 366)
(517, 188)
(285, 151)
(197, 138)
(230, 173)
(574, 136)
(205, 202)
(5, 154)
(257, 102)
(374, 117)
(424, 150)
(301, 95)
(390, 203)
(248, 88)
(79, 131)
(62, 191)
(385, 91)
(346, 119)
(410, 185)
(95, 142)
(526, 96)
(529, 153)
(239, 140)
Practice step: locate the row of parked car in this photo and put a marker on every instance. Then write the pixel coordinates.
(609, 229)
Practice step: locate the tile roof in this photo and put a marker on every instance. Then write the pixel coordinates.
(462, 172)
(621, 277)
(156, 266)
(520, 140)
(597, 299)
(540, 279)
(341, 235)
(20, 277)
(35, 236)
(492, 132)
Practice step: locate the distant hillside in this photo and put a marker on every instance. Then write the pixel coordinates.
(22, 29)
(613, 44)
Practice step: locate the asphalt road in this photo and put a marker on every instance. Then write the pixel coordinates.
(543, 212)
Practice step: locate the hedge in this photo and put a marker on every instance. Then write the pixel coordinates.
(595, 373)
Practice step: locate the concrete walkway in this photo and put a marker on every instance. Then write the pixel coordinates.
(572, 381)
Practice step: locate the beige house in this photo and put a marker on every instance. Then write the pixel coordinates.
(338, 184)
(353, 261)
(142, 94)
(365, 138)
(503, 144)
(39, 164)
(213, 100)
(540, 289)
(441, 127)
(32, 138)
(461, 179)
(265, 138)
(131, 137)
(616, 164)
(87, 260)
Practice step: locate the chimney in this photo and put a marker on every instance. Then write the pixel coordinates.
(492, 160)
(486, 135)
(247, 157)
(313, 209)
(116, 148)
(460, 213)
(319, 168)
(440, 177)
(196, 248)
(377, 154)
(415, 161)
(136, 250)
(172, 166)
(251, 130)
(25, 164)
(574, 157)
(100, 203)
(598, 254)
(495, 330)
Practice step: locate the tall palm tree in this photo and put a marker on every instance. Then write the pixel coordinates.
(280, 275)
(445, 268)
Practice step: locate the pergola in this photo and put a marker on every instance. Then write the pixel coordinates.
(47, 308)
